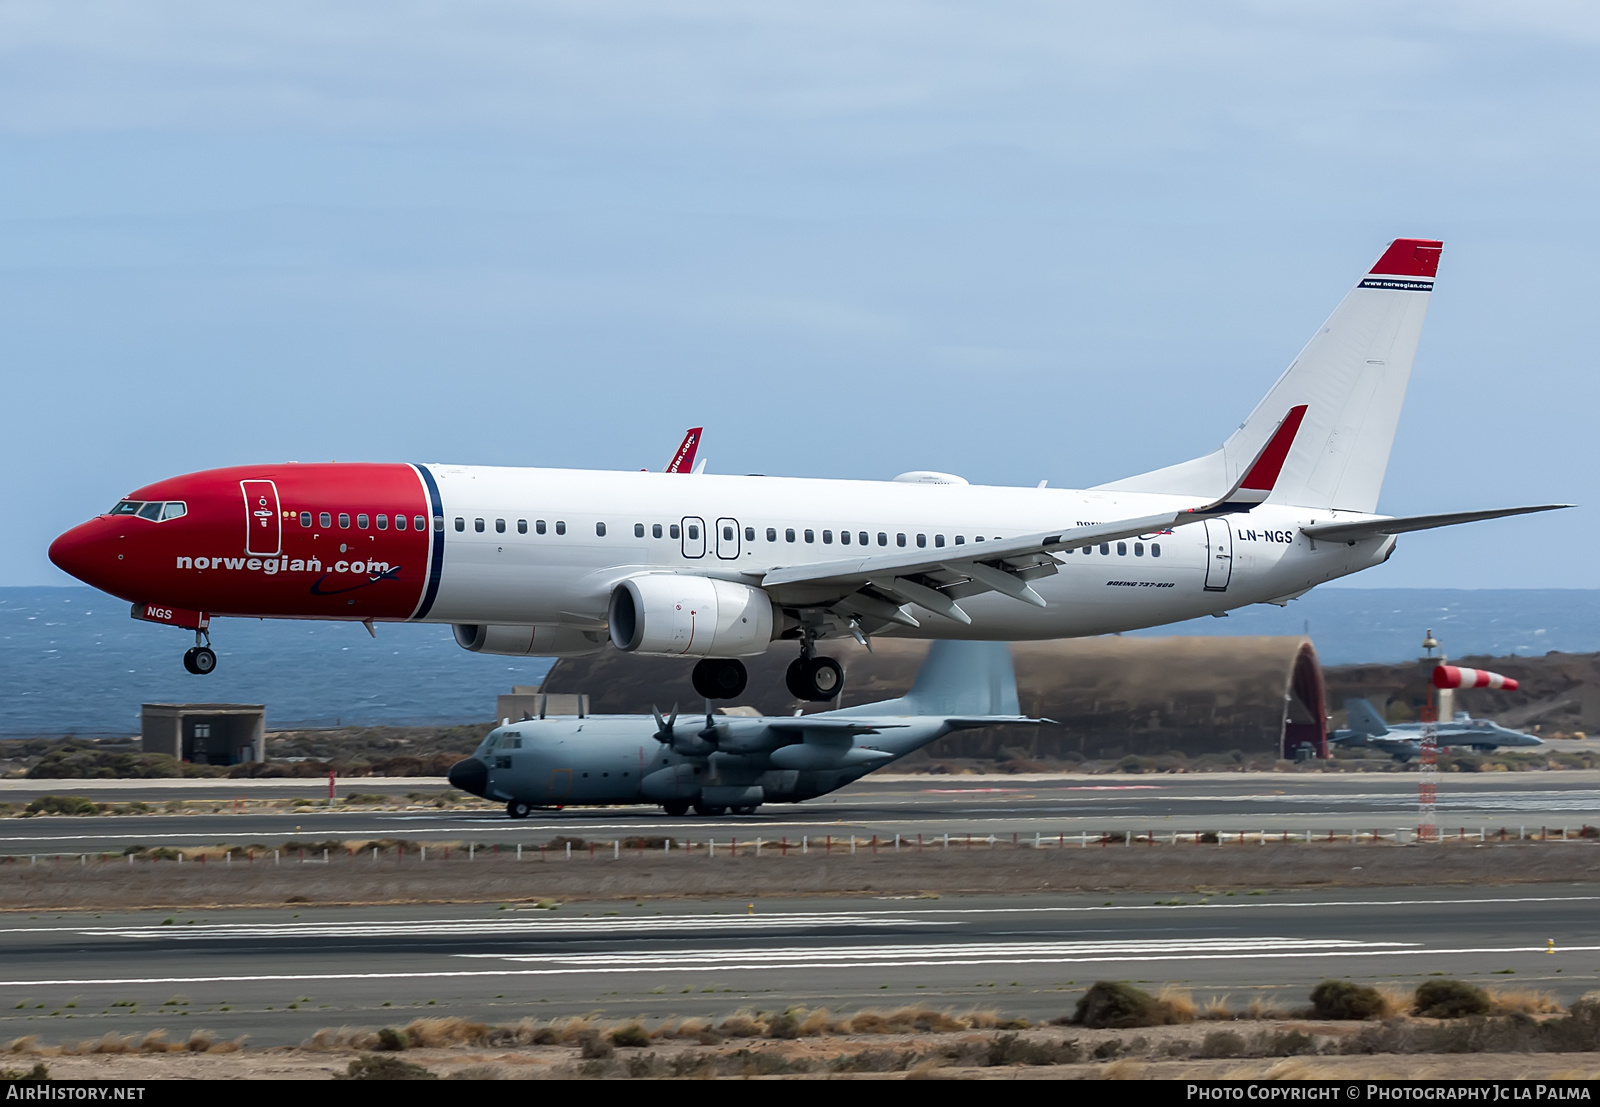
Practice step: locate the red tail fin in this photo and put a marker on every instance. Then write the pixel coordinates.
(683, 460)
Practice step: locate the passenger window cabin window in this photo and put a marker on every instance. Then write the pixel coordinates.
(727, 534)
(600, 530)
(477, 525)
(899, 540)
(344, 520)
(1155, 549)
(417, 522)
(672, 531)
(499, 526)
(522, 526)
(438, 522)
(1122, 549)
(749, 534)
(1105, 548)
(399, 522)
(461, 524)
(561, 526)
(978, 538)
(827, 538)
(694, 532)
(938, 540)
(1138, 549)
(844, 537)
(655, 530)
(788, 535)
(922, 540)
(305, 518)
(324, 519)
(883, 539)
(1088, 549)
(861, 538)
(811, 535)
(383, 522)
(772, 534)
(638, 530)
(362, 520)
(538, 526)
(961, 540)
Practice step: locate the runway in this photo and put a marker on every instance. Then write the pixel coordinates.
(906, 805)
(278, 975)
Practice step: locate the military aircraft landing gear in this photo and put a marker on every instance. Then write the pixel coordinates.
(676, 808)
(519, 810)
(719, 678)
(815, 679)
(200, 658)
(745, 809)
(710, 810)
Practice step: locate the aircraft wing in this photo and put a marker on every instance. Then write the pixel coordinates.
(876, 589)
(1376, 528)
(832, 726)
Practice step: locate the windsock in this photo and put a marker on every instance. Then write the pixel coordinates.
(1454, 676)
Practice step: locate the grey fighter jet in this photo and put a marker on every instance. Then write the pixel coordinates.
(1403, 741)
(721, 763)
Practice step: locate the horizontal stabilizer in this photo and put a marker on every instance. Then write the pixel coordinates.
(1377, 528)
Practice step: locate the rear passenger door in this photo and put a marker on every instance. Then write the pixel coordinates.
(694, 536)
(728, 539)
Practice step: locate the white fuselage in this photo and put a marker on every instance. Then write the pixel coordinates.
(540, 559)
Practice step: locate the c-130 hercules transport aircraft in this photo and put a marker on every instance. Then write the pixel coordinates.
(557, 562)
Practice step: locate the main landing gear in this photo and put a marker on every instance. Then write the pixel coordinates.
(719, 678)
(200, 658)
(816, 679)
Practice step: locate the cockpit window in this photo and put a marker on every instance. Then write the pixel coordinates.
(150, 510)
(127, 507)
(175, 509)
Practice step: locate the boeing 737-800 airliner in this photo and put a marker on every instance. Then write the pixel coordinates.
(555, 562)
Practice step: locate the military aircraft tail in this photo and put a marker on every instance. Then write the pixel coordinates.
(964, 678)
(1351, 378)
(1364, 719)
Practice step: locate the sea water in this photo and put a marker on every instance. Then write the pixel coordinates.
(72, 661)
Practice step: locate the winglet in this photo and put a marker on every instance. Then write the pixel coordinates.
(1262, 473)
(683, 460)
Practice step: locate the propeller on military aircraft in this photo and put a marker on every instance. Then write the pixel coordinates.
(664, 726)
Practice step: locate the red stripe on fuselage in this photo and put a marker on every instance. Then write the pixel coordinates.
(199, 561)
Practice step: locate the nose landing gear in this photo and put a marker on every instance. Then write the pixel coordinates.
(200, 658)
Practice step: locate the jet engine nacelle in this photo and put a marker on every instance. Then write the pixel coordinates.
(689, 616)
(523, 641)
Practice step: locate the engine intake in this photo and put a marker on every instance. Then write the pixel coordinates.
(689, 616)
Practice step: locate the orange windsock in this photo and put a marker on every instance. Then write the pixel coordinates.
(1454, 676)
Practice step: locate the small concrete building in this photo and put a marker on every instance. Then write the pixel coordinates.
(204, 733)
(526, 702)
(1113, 695)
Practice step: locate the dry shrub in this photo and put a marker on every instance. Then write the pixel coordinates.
(1396, 1001)
(200, 1041)
(1217, 1009)
(328, 1040)
(1522, 1001)
(1125, 1069)
(909, 1020)
(448, 1031)
(1176, 1004)
(28, 1044)
(571, 1030)
(684, 1028)
(743, 1024)
(110, 1043)
(156, 1042)
(630, 1036)
(1450, 999)
(1260, 1007)
(982, 1019)
(816, 1023)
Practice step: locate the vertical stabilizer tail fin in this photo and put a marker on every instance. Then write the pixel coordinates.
(964, 678)
(1351, 378)
(1364, 719)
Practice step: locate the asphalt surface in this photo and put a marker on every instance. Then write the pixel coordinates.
(279, 975)
(927, 805)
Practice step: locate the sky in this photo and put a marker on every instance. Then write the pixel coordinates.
(1016, 241)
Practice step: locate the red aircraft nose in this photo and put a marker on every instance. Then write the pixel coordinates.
(85, 552)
